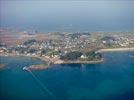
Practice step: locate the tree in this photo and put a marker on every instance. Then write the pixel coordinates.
(74, 55)
(92, 55)
(29, 42)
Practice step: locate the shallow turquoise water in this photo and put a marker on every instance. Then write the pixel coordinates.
(111, 80)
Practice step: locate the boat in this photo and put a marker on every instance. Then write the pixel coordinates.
(25, 68)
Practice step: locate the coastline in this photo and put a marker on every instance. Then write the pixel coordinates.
(32, 67)
(83, 62)
(116, 49)
(50, 61)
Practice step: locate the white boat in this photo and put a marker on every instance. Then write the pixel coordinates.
(25, 68)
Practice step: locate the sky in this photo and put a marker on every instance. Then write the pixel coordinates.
(87, 15)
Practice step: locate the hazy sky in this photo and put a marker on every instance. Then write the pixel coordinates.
(88, 14)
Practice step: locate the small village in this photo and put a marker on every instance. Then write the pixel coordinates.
(65, 47)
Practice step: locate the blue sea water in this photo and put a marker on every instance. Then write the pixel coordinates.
(112, 79)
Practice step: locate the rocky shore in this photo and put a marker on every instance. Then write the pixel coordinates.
(82, 62)
(37, 67)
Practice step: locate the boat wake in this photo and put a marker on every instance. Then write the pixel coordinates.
(45, 89)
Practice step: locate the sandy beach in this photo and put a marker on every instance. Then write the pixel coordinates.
(116, 49)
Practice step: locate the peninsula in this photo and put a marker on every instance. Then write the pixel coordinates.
(65, 47)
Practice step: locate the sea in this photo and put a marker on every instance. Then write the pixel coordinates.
(112, 79)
